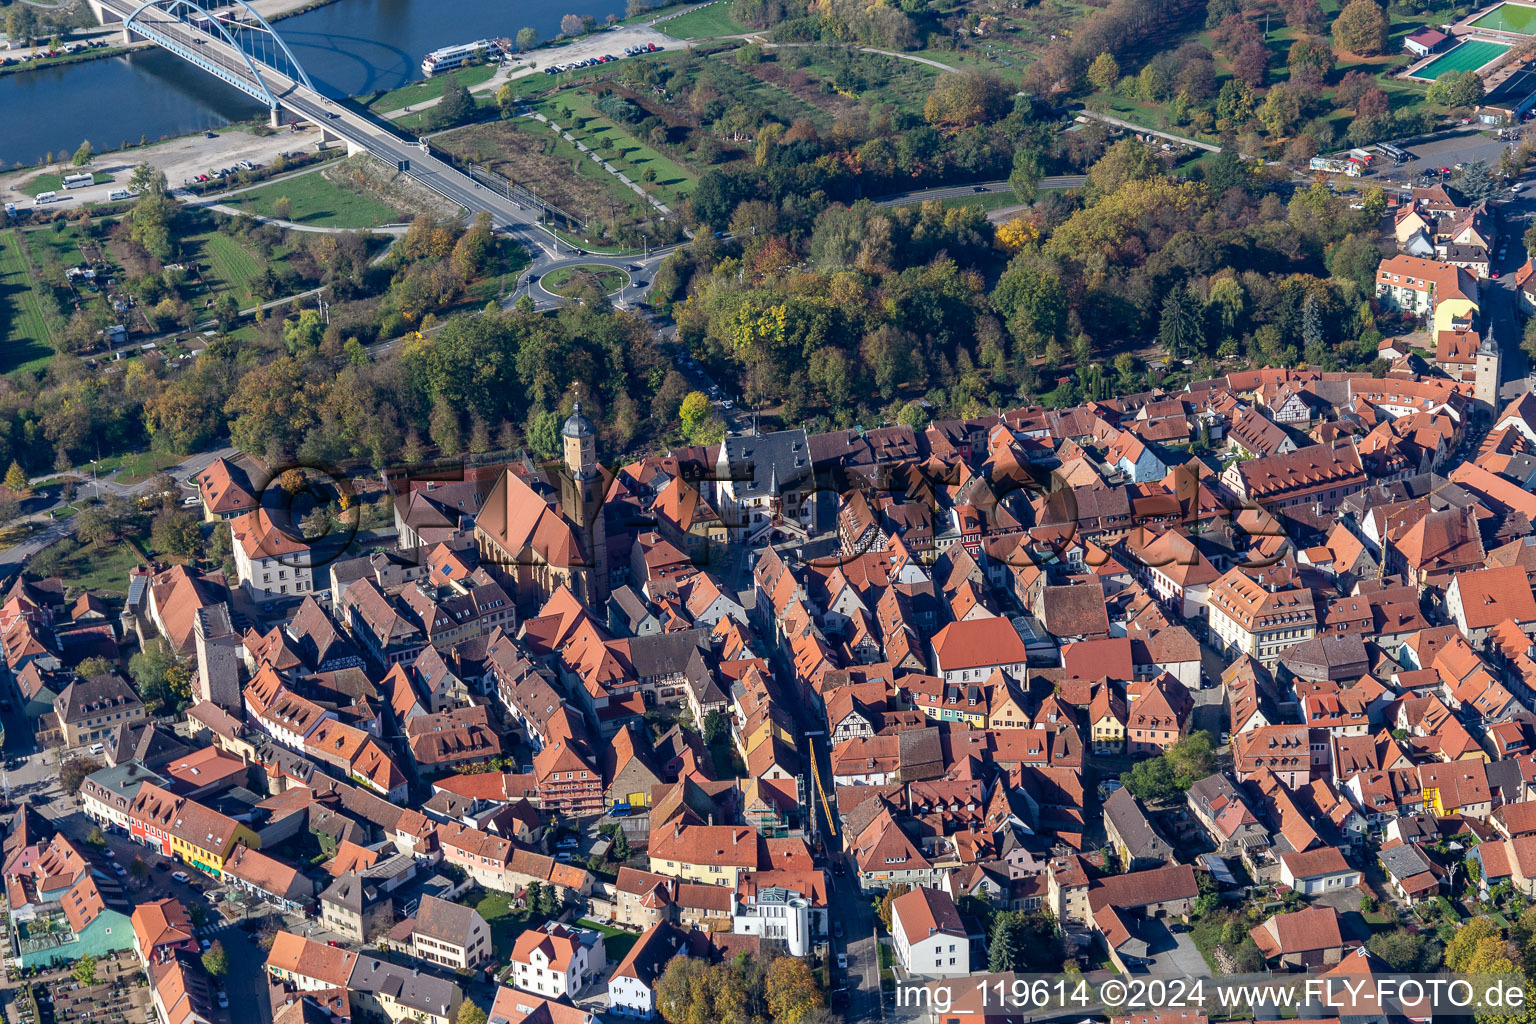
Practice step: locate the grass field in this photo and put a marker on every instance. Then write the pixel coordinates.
(55, 183)
(714, 20)
(528, 152)
(318, 201)
(1517, 18)
(229, 264)
(566, 279)
(673, 183)
(1468, 56)
(23, 332)
(431, 89)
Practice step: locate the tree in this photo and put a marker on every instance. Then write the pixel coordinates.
(544, 434)
(16, 481)
(1104, 72)
(1179, 329)
(175, 532)
(1251, 64)
(549, 901)
(694, 410)
(506, 100)
(456, 104)
(684, 994)
(215, 960)
(73, 773)
(1191, 759)
(84, 970)
(470, 1013)
(527, 38)
(1354, 258)
(282, 208)
(1002, 954)
(84, 154)
(791, 990)
(95, 838)
(570, 25)
(894, 893)
(1477, 182)
(1467, 90)
(1400, 949)
(93, 666)
(1234, 105)
(1027, 171)
(138, 869)
(964, 100)
(1361, 28)
(1151, 779)
(714, 727)
(1015, 234)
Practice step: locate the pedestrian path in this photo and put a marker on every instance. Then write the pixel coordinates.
(604, 164)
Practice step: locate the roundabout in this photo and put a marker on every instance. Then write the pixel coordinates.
(569, 280)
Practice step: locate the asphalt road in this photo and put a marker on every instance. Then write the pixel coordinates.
(55, 530)
(979, 188)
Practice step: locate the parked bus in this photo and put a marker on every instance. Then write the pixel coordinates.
(79, 180)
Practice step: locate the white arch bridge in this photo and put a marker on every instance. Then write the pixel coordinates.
(232, 42)
(238, 46)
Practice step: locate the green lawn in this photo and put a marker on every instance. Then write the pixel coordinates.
(501, 274)
(673, 183)
(229, 265)
(706, 22)
(318, 201)
(23, 331)
(55, 182)
(506, 921)
(89, 567)
(431, 89)
(143, 465)
(566, 280)
(616, 941)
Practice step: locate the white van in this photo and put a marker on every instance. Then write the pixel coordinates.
(117, 195)
(45, 197)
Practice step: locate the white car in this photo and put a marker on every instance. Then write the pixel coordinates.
(223, 1001)
(180, 876)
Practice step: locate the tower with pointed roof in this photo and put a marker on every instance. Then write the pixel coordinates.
(581, 494)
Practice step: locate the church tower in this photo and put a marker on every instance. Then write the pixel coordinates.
(581, 498)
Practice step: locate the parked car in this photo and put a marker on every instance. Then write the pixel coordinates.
(842, 961)
(181, 876)
(223, 1001)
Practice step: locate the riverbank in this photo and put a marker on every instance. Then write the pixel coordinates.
(272, 10)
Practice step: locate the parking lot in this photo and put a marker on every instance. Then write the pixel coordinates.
(1463, 146)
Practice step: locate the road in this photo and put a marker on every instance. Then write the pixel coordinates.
(1144, 130)
(357, 130)
(55, 530)
(980, 188)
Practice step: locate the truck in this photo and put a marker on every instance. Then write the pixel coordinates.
(79, 180)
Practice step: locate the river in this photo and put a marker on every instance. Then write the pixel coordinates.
(349, 48)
